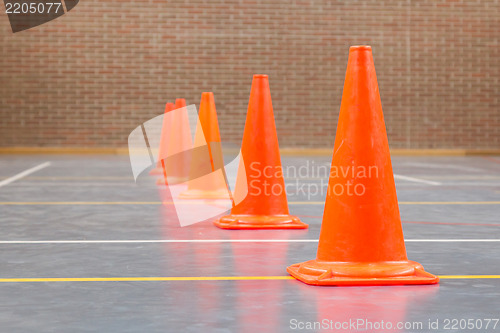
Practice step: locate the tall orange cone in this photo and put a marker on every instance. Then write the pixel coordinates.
(164, 138)
(265, 206)
(361, 240)
(205, 181)
(179, 146)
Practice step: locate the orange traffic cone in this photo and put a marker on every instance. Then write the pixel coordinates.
(180, 103)
(164, 138)
(205, 182)
(265, 206)
(179, 146)
(361, 240)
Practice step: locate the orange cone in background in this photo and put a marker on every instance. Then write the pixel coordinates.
(265, 206)
(164, 138)
(179, 147)
(180, 103)
(361, 240)
(207, 147)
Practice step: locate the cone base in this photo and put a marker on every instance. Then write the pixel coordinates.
(156, 171)
(260, 222)
(323, 273)
(200, 194)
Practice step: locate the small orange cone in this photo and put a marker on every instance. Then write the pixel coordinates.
(207, 147)
(179, 147)
(180, 103)
(361, 240)
(164, 138)
(265, 206)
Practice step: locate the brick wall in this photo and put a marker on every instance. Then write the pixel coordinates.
(91, 76)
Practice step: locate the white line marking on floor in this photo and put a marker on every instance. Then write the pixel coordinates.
(23, 174)
(75, 184)
(443, 166)
(416, 180)
(468, 177)
(465, 240)
(153, 186)
(132, 241)
(458, 184)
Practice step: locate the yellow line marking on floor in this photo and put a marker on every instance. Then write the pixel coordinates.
(201, 278)
(291, 203)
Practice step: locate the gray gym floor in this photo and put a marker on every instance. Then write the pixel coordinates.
(85, 249)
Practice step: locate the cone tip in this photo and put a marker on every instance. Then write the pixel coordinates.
(180, 103)
(260, 76)
(169, 107)
(360, 48)
(206, 97)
